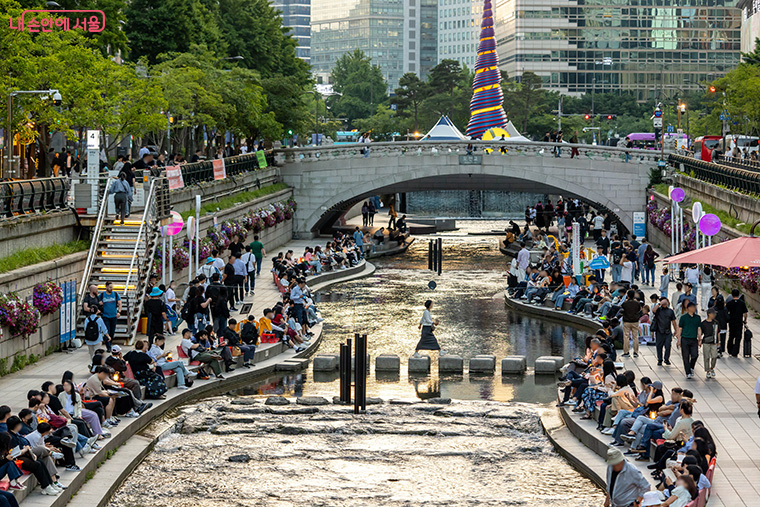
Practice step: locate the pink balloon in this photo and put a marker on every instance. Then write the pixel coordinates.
(677, 194)
(175, 227)
(709, 225)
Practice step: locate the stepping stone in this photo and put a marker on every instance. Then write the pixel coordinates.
(388, 362)
(419, 364)
(326, 362)
(514, 364)
(277, 400)
(547, 365)
(292, 365)
(451, 364)
(312, 401)
(483, 364)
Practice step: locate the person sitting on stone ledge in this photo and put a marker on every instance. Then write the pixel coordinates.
(199, 349)
(233, 341)
(163, 360)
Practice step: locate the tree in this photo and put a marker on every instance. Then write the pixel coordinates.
(409, 96)
(156, 27)
(753, 58)
(742, 100)
(360, 84)
(525, 101)
(382, 125)
(443, 80)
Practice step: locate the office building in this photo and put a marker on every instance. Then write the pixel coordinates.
(398, 35)
(648, 47)
(750, 24)
(296, 15)
(458, 29)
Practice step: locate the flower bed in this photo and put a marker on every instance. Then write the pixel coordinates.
(20, 317)
(660, 218)
(220, 237)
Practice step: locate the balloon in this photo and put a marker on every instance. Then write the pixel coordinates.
(696, 212)
(175, 227)
(677, 194)
(709, 225)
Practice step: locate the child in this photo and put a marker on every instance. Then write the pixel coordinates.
(710, 342)
(664, 282)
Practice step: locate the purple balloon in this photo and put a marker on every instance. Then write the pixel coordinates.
(677, 194)
(709, 225)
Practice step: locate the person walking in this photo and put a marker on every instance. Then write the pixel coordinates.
(631, 315)
(689, 338)
(427, 325)
(392, 213)
(111, 303)
(365, 214)
(705, 285)
(647, 258)
(737, 319)
(122, 193)
(710, 333)
(626, 484)
(257, 248)
(664, 320)
(574, 150)
(371, 212)
(249, 260)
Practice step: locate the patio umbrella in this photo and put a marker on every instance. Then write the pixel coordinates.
(737, 253)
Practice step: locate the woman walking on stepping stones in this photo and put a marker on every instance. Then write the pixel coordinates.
(428, 325)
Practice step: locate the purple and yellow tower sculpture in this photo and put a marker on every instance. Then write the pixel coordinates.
(486, 109)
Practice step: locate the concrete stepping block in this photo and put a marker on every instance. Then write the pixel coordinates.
(326, 362)
(514, 364)
(353, 363)
(483, 364)
(292, 365)
(548, 364)
(419, 364)
(451, 364)
(388, 362)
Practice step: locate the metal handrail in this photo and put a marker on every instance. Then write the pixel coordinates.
(102, 212)
(21, 197)
(148, 207)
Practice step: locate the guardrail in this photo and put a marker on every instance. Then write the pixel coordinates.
(198, 172)
(22, 197)
(733, 178)
(740, 163)
(476, 148)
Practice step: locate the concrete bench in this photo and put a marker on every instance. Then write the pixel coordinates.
(483, 364)
(451, 364)
(514, 364)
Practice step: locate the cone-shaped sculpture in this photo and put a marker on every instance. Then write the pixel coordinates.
(486, 109)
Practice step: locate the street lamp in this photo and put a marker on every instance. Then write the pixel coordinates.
(57, 99)
(316, 111)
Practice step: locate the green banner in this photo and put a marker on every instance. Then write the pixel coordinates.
(262, 159)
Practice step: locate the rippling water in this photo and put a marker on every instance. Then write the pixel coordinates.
(477, 452)
(465, 454)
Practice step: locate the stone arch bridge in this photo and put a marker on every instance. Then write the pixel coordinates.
(329, 180)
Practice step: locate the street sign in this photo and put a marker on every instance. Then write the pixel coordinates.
(657, 122)
(639, 223)
(93, 139)
(670, 129)
(658, 113)
(661, 163)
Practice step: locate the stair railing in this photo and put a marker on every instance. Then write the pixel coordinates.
(93, 253)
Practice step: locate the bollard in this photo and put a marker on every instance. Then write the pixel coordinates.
(440, 255)
(360, 374)
(430, 255)
(345, 380)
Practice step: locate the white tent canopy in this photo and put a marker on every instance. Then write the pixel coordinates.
(514, 135)
(444, 130)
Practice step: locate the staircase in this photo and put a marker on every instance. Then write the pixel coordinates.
(123, 254)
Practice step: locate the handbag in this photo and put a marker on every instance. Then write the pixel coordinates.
(235, 351)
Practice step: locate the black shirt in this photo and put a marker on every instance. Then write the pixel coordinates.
(116, 363)
(736, 310)
(709, 330)
(55, 404)
(229, 270)
(604, 244)
(631, 310)
(92, 301)
(138, 360)
(662, 320)
(236, 249)
(154, 308)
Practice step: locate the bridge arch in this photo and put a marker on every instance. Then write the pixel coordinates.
(329, 180)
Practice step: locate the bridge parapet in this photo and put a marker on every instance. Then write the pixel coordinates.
(473, 149)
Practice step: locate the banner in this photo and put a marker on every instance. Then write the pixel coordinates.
(639, 223)
(174, 174)
(67, 312)
(261, 158)
(219, 172)
(576, 249)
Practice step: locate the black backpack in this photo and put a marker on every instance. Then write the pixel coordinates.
(91, 330)
(249, 333)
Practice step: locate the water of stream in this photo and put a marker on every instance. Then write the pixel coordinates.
(477, 451)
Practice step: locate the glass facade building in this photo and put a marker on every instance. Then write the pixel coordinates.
(750, 23)
(296, 15)
(652, 48)
(458, 30)
(398, 35)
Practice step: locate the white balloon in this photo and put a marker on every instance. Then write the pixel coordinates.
(696, 212)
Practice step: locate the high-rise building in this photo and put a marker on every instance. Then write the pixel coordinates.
(458, 29)
(398, 35)
(651, 48)
(296, 15)
(750, 24)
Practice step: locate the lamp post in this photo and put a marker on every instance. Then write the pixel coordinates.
(9, 130)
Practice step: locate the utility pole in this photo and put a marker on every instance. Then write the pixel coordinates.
(559, 114)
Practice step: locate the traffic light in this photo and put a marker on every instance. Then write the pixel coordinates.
(587, 116)
(290, 132)
(713, 89)
(611, 116)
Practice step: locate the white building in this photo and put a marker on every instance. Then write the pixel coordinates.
(458, 30)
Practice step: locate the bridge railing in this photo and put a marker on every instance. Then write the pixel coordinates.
(740, 163)
(464, 148)
(733, 178)
(22, 197)
(198, 172)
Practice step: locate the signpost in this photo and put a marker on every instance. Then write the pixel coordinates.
(93, 169)
(639, 223)
(576, 249)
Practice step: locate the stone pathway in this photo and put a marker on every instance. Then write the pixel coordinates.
(727, 407)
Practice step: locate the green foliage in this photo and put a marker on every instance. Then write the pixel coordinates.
(30, 256)
(17, 363)
(234, 200)
(739, 89)
(655, 176)
(382, 124)
(409, 96)
(360, 84)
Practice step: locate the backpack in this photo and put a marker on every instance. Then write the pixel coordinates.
(91, 330)
(249, 333)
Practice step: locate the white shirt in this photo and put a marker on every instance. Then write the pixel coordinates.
(168, 296)
(219, 264)
(627, 273)
(598, 222)
(523, 259)
(249, 260)
(692, 275)
(35, 439)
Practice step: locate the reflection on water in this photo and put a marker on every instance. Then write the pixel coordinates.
(387, 307)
